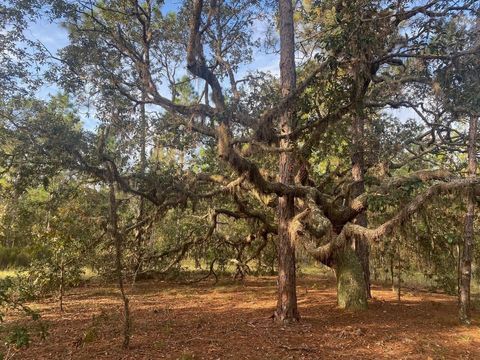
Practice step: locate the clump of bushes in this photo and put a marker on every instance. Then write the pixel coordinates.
(14, 257)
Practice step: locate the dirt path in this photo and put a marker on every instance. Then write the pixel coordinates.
(231, 321)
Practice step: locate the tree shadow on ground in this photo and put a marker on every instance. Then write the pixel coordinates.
(233, 321)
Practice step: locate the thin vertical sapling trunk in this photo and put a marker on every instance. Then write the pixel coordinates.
(62, 284)
(459, 276)
(392, 274)
(466, 259)
(399, 277)
(118, 241)
(140, 231)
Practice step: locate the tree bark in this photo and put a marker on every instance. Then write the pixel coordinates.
(392, 274)
(362, 248)
(62, 284)
(399, 276)
(352, 267)
(466, 260)
(351, 293)
(287, 310)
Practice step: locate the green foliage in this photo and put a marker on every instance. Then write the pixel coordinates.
(13, 295)
(59, 228)
(19, 337)
(42, 329)
(14, 257)
(90, 335)
(428, 244)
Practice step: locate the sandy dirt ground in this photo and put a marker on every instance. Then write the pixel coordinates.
(232, 321)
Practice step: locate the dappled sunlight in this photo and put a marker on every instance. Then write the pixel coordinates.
(224, 179)
(233, 321)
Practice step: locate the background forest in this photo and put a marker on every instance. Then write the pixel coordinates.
(167, 149)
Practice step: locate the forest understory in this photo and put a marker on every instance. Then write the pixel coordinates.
(231, 320)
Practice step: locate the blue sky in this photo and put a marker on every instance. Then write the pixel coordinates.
(55, 37)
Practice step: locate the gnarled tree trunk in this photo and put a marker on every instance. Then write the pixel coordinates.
(362, 248)
(351, 294)
(287, 297)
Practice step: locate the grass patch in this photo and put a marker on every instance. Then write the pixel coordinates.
(89, 274)
(8, 273)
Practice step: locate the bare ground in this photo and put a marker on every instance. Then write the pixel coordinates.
(232, 321)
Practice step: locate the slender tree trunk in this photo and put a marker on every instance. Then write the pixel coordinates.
(466, 260)
(140, 234)
(118, 240)
(198, 265)
(140, 231)
(287, 310)
(459, 272)
(362, 248)
(392, 275)
(62, 284)
(399, 278)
